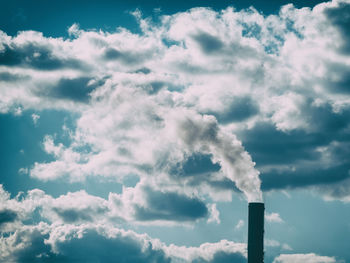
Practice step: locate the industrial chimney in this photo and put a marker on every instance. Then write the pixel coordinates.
(256, 233)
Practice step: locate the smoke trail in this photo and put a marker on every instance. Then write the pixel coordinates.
(203, 134)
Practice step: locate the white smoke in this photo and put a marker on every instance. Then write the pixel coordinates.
(203, 134)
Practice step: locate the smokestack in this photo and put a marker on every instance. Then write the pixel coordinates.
(256, 233)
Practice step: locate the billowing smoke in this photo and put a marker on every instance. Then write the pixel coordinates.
(202, 134)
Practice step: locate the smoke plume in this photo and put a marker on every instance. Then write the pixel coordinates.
(203, 134)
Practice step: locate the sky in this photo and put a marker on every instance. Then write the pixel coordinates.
(139, 131)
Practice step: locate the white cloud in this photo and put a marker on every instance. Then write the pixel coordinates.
(140, 205)
(276, 244)
(214, 214)
(166, 134)
(271, 243)
(77, 227)
(305, 258)
(273, 218)
(137, 95)
(150, 103)
(35, 118)
(205, 251)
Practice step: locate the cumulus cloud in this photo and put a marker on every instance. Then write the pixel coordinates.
(86, 243)
(170, 206)
(139, 205)
(222, 251)
(7, 216)
(197, 106)
(308, 258)
(167, 138)
(236, 86)
(47, 243)
(80, 227)
(39, 227)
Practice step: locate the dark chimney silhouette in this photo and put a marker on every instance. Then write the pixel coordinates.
(256, 233)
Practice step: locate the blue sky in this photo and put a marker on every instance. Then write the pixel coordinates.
(139, 131)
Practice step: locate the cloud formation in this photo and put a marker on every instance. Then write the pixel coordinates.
(80, 227)
(138, 205)
(197, 106)
(308, 258)
(273, 218)
(44, 243)
(235, 86)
